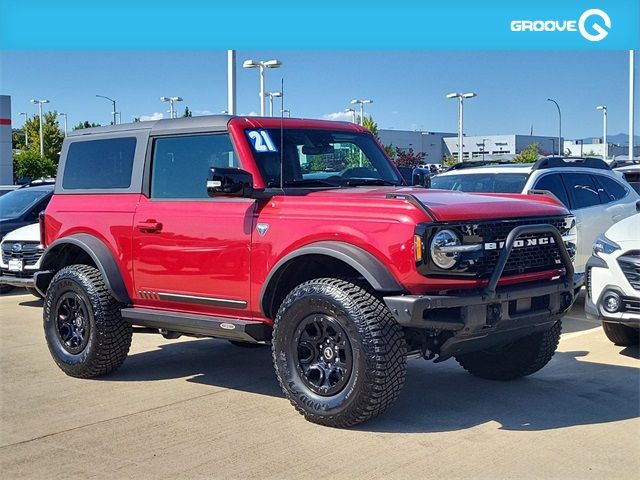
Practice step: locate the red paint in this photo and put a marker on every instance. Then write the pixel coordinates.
(211, 247)
(5, 121)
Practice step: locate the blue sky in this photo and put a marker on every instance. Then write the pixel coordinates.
(408, 88)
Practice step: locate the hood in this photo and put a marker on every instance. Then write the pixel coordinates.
(451, 206)
(625, 230)
(30, 233)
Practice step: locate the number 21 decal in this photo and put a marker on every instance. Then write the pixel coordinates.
(262, 141)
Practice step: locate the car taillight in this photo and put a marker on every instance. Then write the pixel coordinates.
(41, 223)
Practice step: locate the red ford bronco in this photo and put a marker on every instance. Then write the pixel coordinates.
(303, 235)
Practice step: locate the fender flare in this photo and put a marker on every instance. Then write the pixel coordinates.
(99, 253)
(372, 269)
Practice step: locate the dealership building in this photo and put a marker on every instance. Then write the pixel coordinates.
(6, 159)
(578, 148)
(431, 143)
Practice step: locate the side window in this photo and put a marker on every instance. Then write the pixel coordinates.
(582, 189)
(99, 164)
(553, 183)
(181, 164)
(609, 189)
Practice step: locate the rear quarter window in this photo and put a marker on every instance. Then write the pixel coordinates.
(99, 164)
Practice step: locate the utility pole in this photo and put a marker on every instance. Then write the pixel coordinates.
(231, 82)
(631, 87)
(39, 103)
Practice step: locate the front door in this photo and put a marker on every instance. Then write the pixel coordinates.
(191, 252)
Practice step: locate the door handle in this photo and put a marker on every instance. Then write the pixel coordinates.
(150, 226)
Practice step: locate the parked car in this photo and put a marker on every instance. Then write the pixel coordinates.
(21, 252)
(613, 282)
(631, 174)
(595, 194)
(22, 206)
(7, 188)
(214, 226)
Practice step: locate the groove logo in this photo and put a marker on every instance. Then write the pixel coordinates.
(594, 25)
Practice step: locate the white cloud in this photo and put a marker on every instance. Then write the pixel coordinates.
(250, 114)
(340, 116)
(153, 116)
(203, 112)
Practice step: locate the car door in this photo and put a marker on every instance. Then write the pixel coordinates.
(592, 218)
(618, 200)
(191, 252)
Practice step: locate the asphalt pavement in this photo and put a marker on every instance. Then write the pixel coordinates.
(203, 408)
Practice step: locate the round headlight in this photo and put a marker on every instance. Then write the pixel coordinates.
(441, 255)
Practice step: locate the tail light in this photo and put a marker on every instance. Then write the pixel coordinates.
(41, 223)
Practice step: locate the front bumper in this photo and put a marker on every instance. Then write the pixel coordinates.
(495, 315)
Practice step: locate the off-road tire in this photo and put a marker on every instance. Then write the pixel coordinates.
(517, 359)
(377, 344)
(34, 292)
(109, 336)
(621, 334)
(6, 289)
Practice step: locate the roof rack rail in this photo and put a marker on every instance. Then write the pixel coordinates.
(478, 163)
(555, 162)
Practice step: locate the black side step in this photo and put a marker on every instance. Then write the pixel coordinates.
(206, 325)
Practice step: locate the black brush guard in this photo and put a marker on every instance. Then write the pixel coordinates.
(495, 315)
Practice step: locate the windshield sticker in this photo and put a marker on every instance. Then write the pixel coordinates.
(261, 141)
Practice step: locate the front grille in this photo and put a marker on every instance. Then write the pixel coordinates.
(528, 258)
(28, 252)
(630, 266)
(631, 305)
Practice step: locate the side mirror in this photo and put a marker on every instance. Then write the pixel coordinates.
(421, 177)
(229, 182)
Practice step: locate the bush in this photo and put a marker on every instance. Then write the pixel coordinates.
(29, 165)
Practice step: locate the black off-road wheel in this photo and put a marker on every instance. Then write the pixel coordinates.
(84, 329)
(517, 359)
(339, 355)
(621, 334)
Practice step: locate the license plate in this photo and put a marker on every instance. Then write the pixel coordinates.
(15, 265)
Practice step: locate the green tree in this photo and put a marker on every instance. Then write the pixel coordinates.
(407, 158)
(187, 112)
(449, 160)
(52, 134)
(371, 125)
(29, 165)
(530, 154)
(590, 153)
(17, 139)
(86, 124)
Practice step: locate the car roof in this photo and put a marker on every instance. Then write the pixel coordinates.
(47, 187)
(511, 168)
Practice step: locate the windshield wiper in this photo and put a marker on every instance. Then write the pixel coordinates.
(305, 182)
(355, 182)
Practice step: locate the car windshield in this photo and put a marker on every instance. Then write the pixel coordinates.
(481, 182)
(15, 203)
(320, 158)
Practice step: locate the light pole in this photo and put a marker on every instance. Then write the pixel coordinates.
(581, 142)
(39, 103)
(461, 97)
(360, 102)
(231, 82)
(352, 112)
(271, 96)
(262, 65)
(65, 122)
(113, 103)
(119, 117)
(605, 151)
(171, 100)
(26, 137)
(559, 126)
(632, 83)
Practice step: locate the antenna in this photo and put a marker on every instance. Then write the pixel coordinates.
(282, 133)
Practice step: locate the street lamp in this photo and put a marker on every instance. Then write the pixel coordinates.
(113, 103)
(461, 98)
(605, 152)
(357, 101)
(171, 100)
(65, 122)
(353, 114)
(39, 103)
(271, 95)
(559, 126)
(26, 137)
(262, 65)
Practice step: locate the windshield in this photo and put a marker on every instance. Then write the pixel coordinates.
(481, 182)
(15, 203)
(320, 158)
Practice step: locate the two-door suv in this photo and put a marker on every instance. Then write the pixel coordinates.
(301, 234)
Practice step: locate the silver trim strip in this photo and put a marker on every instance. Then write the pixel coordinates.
(218, 302)
(458, 248)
